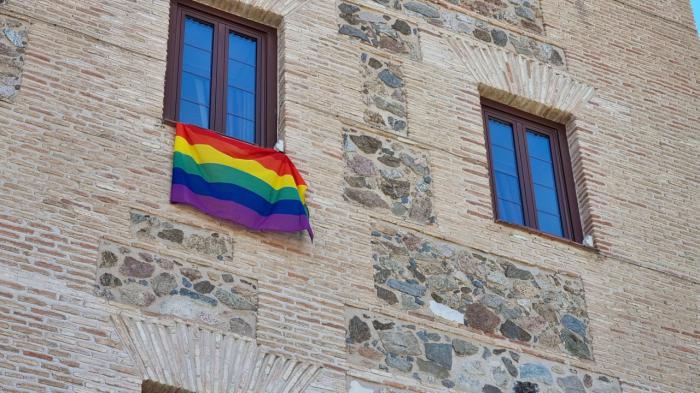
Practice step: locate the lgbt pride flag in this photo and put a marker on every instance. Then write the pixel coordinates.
(253, 186)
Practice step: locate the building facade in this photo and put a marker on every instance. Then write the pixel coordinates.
(425, 274)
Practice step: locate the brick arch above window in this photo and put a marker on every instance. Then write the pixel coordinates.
(169, 355)
(522, 82)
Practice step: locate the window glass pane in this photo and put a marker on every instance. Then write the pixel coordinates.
(507, 183)
(241, 90)
(195, 91)
(542, 170)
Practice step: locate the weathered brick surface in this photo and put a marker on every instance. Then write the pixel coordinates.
(83, 145)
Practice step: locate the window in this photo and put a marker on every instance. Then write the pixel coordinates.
(222, 73)
(531, 176)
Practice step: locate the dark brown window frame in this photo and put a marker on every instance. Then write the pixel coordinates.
(563, 173)
(266, 78)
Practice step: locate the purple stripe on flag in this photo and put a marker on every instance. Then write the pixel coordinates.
(231, 211)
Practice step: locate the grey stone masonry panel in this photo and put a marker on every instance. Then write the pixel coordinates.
(376, 29)
(182, 237)
(383, 174)
(384, 93)
(13, 43)
(486, 293)
(435, 358)
(523, 14)
(171, 286)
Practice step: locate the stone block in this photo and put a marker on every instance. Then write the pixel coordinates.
(486, 293)
(171, 286)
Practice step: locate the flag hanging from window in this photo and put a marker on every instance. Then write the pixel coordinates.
(229, 179)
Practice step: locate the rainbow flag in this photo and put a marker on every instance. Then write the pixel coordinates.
(229, 179)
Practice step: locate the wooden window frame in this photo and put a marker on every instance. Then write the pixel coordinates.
(266, 70)
(563, 173)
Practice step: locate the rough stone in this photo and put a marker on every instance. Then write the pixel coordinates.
(482, 35)
(198, 297)
(353, 32)
(362, 165)
(109, 280)
(137, 295)
(400, 343)
(374, 63)
(536, 373)
(365, 197)
(464, 348)
(163, 284)
(396, 108)
(401, 363)
(358, 331)
(366, 143)
(108, 259)
(510, 367)
(511, 330)
(203, 287)
(234, 300)
(526, 387)
(346, 8)
(499, 37)
(574, 324)
(191, 274)
(490, 389)
(421, 210)
(390, 79)
(433, 368)
(227, 277)
(173, 235)
(382, 326)
(571, 384)
(525, 12)
(408, 288)
(439, 353)
(390, 161)
(423, 9)
(555, 58)
(575, 345)
(387, 295)
(238, 325)
(395, 189)
(519, 274)
(402, 27)
(480, 317)
(137, 269)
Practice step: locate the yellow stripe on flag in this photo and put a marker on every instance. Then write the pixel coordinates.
(206, 154)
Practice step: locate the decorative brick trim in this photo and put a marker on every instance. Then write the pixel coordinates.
(193, 357)
(522, 82)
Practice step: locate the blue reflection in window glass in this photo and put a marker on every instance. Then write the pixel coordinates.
(542, 169)
(240, 99)
(508, 199)
(195, 92)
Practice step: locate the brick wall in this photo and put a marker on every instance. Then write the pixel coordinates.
(83, 146)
